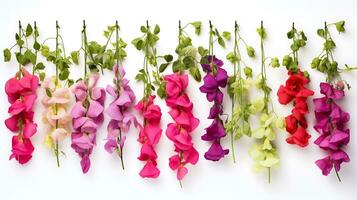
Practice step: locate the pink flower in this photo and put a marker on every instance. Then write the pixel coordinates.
(179, 132)
(149, 136)
(119, 112)
(87, 116)
(21, 93)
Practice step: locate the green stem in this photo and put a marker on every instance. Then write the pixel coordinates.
(338, 176)
(85, 50)
(56, 84)
(20, 35)
(269, 175)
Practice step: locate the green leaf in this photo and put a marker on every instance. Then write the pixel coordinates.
(36, 46)
(70, 82)
(248, 72)
(138, 43)
(287, 60)
(197, 26)
(250, 51)
(42, 76)
(261, 32)
(20, 42)
(290, 34)
(30, 56)
(221, 42)
(143, 29)
(226, 35)
(202, 51)
(140, 77)
(168, 58)
(230, 56)
(163, 67)
(329, 45)
(156, 29)
(294, 46)
(275, 62)
(321, 32)
(64, 74)
(161, 91)
(195, 73)
(315, 63)
(340, 26)
(75, 56)
(40, 66)
(48, 92)
(7, 55)
(29, 30)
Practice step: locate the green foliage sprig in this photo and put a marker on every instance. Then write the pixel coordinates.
(29, 56)
(238, 86)
(299, 39)
(59, 58)
(214, 36)
(147, 44)
(187, 53)
(325, 61)
(264, 153)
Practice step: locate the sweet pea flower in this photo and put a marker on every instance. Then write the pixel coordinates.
(149, 136)
(215, 79)
(331, 124)
(179, 132)
(55, 101)
(21, 92)
(119, 112)
(87, 116)
(295, 91)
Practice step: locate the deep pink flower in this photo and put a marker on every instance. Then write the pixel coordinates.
(149, 136)
(21, 91)
(180, 131)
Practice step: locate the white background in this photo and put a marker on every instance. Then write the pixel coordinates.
(297, 177)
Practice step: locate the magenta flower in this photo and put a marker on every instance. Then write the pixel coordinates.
(330, 123)
(87, 116)
(215, 79)
(119, 112)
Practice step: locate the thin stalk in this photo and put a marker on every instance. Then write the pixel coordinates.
(85, 49)
(338, 176)
(56, 84)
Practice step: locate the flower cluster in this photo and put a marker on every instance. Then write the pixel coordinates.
(180, 131)
(215, 79)
(331, 121)
(55, 115)
(295, 90)
(149, 136)
(264, 154)
(118, 111)
(21, 92)
(87, 115)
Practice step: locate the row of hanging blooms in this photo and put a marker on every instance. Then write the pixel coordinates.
(81, 120)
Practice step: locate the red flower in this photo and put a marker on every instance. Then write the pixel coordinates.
(299, 137)
(295, 90)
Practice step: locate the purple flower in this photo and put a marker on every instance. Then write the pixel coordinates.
(330, 123)
(119, 112)
(211, 60)
(215, 79)
(216, 152)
